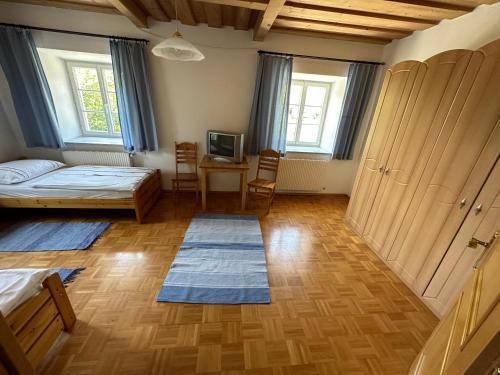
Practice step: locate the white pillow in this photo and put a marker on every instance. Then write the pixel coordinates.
(14, 172)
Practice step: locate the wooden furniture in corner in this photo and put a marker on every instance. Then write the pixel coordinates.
(187, 154)
(467, 340)
(208, 165)
(268, 161)
(28, 332)
(141, 202)
(432, 147)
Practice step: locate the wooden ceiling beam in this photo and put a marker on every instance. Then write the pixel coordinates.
(318, 13)
(213, 13)
(154, 8)
(242, 18)
(316, 34)
(267, 18)
(467, 3)
(328, 14)
(256, 5)
(186, 13)
(421, 9)
(132, 11)
(291, 23)
(65, 5)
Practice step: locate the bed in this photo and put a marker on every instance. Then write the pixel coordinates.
(31, 183)
(34, 310)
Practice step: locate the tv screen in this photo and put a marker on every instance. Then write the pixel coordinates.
(221, 144)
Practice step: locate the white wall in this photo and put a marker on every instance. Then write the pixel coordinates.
(60, 87)
(190, 98)
(470, 31)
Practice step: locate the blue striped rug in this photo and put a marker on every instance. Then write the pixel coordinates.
(221, 260)
(67, 275)
(46, 236)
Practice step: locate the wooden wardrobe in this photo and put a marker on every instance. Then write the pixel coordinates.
(429, 178)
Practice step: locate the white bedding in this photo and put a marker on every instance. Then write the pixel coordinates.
(80, 182)
(19, 284)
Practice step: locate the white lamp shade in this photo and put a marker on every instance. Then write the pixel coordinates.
(178, 49)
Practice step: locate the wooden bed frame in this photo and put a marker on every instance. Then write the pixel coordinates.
(28, 332)
(142, 201)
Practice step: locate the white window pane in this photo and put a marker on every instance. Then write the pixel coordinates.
(290, 132)
(113, 105)
(309, 133)
(96, 122)
(110, 80)
(293, 114)
(311, 115)
(92, 101)
(315, 95)
(116, 123)
(86, 78)
(295, 94)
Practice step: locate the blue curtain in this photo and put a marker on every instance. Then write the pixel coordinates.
(268, 119)
(360, 80)
(135, 108)
(29, 88)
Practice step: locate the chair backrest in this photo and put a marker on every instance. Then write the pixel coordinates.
(269, 161)
(186, 153)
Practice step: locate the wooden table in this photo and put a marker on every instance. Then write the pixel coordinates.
(207, 165)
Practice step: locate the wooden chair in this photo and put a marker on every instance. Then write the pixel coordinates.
(268, 161)
(186, 153)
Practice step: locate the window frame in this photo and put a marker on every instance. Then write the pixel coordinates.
(324, 109)
(84, 126)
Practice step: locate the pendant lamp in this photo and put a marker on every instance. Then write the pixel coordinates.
(176, 47)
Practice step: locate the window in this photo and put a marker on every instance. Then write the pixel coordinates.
(307, 112)
(94, 92)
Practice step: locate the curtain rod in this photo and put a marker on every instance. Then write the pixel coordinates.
(72, 32)
(320, 58)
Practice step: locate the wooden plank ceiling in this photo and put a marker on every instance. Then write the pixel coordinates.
(372, 21)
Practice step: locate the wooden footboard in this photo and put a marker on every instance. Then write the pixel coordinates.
(28, 332)
(146, 195)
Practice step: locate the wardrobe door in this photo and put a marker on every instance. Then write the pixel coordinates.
(448, 79)
(396, 89)
(457, 265)
(452, 178)
(466, 341)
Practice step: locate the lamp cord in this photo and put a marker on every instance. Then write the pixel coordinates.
(176, 17)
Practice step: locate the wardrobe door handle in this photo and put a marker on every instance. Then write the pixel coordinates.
(381, 168)
(478, 209)
(462, 203)
(387, 170)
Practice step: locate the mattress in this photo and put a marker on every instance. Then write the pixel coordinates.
(95, 182)
(19, 284)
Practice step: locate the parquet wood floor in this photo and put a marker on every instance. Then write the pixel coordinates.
(336, 308)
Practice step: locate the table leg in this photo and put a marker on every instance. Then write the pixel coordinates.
(243, 188)
(203, 189)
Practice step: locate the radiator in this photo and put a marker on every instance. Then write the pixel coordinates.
(114, 159)
(302, 175)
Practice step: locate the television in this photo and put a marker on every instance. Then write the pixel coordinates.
(225, 146)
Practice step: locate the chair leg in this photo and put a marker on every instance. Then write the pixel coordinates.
(197, 190)
(269, 202)
(173, 190)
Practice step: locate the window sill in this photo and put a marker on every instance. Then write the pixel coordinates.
(307, 150)
(95, 141)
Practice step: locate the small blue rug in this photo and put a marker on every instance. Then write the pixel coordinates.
(221, 260)
(67, 275)
(50, 236)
